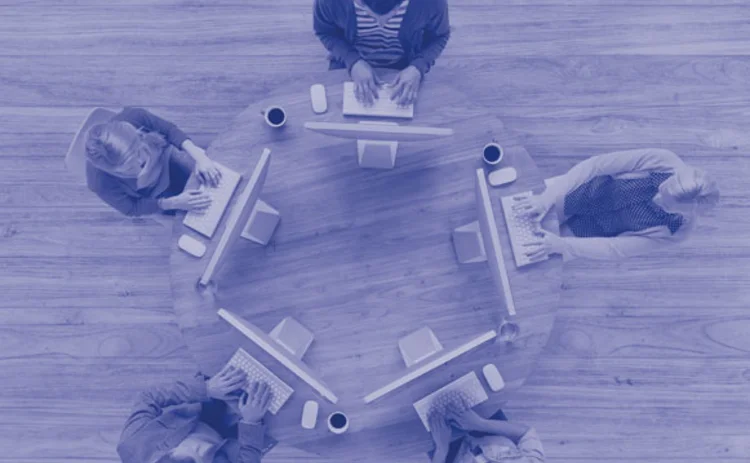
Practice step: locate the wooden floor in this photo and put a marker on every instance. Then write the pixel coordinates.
(650, 358)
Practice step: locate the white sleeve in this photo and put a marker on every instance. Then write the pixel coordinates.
(618, 162)
(531, 448)
(615, 248)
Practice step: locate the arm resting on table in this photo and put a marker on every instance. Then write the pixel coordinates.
(619, 162)
(618, 247)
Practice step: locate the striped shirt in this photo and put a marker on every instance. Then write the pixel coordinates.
(377, 36)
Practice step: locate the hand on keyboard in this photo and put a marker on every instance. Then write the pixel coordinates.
(222, 385)
(548, 243)
(257, 374)
(531, 206)
(190, 200)
(440, 430)
(406, 86)
(464, 418)
(448, 400)
(456, 400)
(206, 170)
(391, 95)
(254, 404)
(365, 83)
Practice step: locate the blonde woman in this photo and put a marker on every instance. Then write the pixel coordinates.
(492, 440)
(622, 204)
(139, 164)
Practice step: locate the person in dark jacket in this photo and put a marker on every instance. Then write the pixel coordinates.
(139, 164)
(198, 420)
(408, 35)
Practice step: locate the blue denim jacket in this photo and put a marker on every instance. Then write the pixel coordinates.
(163, 416)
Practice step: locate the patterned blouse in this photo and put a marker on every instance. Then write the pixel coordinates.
(607, 207)
(377, 36)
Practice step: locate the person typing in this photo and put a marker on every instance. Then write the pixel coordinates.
(139, 164)
(198, 420)
(493, 440)
(360, 35)
(622, 204)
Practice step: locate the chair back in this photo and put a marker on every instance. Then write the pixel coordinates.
(75, 159)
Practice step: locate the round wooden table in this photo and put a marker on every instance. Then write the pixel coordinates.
(362, 258)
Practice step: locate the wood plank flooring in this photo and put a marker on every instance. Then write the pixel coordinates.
(649, 360)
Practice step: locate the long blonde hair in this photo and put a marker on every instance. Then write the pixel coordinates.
(111, 146)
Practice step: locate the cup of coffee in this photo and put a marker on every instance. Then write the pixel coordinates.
(492, 153)
(275, 116)
(338, 423)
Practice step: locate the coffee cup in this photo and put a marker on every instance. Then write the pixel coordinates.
(492, 153)
(338, 423)
(275, 116)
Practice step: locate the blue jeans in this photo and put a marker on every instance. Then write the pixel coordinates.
(456, 444)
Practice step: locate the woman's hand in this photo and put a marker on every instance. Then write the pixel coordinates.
(441, 432)
(365, 82)
(206, 171)
(254, 405)
(533, 206)
(223, 384)
(188, 200)
(548, 243)
(465, 418)
(406, 86)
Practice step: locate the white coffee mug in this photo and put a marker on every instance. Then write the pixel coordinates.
(492, 153)
(338, 422)
(275, 116)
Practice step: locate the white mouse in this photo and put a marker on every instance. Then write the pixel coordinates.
(502, 176)
(494, 380)
(318, 98)
(191, 246)
(310, 414)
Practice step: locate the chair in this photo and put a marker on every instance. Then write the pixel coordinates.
(75, 158)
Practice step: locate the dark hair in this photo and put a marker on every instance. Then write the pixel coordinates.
(382, 6)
